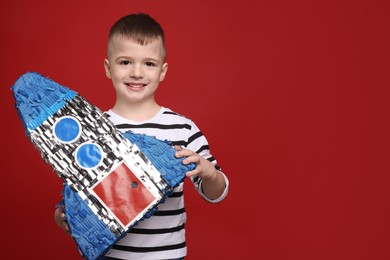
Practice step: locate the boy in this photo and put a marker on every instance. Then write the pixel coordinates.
(136, 65)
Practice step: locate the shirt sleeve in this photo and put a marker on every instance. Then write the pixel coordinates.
(198, 143)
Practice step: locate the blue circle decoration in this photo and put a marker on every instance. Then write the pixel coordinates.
(67, 129)
(88, 155)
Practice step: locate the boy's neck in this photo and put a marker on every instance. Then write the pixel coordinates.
(136, 112)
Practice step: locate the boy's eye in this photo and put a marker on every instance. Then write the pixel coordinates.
(125, 62)
(150, 64)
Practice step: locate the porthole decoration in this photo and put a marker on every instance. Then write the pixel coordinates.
(67, 129)
(88, 155)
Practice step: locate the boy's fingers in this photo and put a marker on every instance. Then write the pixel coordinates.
(61, 208)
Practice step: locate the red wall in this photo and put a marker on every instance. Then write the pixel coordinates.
(292, 95)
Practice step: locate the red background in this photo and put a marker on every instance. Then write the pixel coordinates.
(292, 95)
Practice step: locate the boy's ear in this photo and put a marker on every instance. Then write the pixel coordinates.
(107, 68)
(164, 71)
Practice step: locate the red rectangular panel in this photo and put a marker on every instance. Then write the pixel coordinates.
(124, 194)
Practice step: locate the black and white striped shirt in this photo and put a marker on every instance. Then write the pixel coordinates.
(163, 235)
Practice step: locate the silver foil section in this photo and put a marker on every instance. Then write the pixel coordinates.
(96, 128)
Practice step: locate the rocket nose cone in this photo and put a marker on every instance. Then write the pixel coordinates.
(22, 84)
(37, 98)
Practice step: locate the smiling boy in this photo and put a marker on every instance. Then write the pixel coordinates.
(136, 65)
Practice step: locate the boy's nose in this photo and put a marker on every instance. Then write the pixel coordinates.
(136, 71)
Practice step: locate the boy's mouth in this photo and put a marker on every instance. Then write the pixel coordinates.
(135, 85)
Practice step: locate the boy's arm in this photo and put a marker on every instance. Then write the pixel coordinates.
(214, 186)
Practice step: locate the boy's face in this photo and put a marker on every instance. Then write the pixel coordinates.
(136, 70)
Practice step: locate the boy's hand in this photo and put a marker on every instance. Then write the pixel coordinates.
(204, 169)
(59, 217)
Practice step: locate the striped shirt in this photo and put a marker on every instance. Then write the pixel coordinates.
(163, 235)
